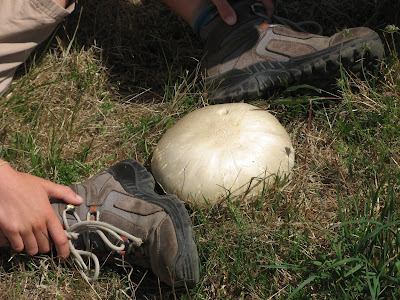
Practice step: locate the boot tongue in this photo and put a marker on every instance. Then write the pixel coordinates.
(210, 21)
(59, 206)
(249, 13)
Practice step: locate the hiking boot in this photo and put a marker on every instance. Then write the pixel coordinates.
(245, 60)
(121, 213)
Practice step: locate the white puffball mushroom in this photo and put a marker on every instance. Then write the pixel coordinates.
(220, 150)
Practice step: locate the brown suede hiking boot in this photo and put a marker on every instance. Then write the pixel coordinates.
(246, 60)
(121, 213)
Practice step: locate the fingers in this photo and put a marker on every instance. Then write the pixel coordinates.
(29, 240)
(269, 7)
(26, 215)
(228, 14)
(58, 235)
(14, 239)
(37, 240)
(54, 226)
(32, 240)
(226, 11)
(3, 240)
(42, 240)
(61, 192)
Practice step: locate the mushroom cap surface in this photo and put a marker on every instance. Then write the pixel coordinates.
(220, 150)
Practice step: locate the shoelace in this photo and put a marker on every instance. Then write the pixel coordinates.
(259, 10)
(84, 228)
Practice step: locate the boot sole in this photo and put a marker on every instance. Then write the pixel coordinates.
(320, 67)
(136, 180)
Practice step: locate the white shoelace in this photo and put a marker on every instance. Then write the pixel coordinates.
(84, 228)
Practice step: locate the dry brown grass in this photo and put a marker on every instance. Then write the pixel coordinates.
(111, 92)
(70, 106)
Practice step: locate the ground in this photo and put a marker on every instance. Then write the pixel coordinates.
(117, 74)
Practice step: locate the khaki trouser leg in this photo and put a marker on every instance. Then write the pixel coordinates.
(24, 24)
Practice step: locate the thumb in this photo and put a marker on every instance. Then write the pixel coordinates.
(62, 192)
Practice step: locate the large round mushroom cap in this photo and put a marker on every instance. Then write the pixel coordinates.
(220, 150)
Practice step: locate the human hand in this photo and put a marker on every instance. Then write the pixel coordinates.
(228, 14)
(3, 241)
(26, 215)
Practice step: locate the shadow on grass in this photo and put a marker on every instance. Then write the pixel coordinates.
(146, 47)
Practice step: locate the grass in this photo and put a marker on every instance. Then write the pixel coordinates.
(331, 232)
